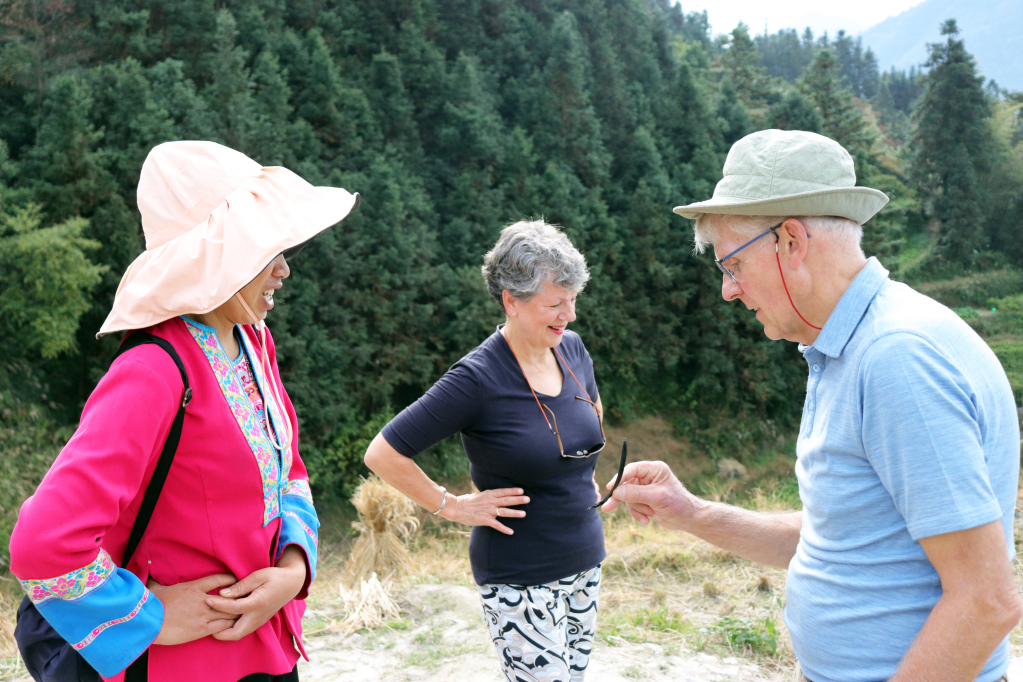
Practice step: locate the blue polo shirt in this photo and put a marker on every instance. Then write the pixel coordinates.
(909, 430)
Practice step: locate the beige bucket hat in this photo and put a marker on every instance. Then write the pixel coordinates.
(213, 219)
(789, 173)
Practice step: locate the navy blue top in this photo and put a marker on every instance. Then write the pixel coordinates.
(486, 397)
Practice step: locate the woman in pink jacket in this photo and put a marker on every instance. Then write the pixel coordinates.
(215, 590)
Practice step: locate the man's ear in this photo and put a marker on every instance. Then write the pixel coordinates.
(793, 241)
(510, 304)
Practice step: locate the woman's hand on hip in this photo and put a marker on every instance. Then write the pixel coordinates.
(186, 614)
(257, 597)
(485, 508)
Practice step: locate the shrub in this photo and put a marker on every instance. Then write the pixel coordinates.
(975, 289)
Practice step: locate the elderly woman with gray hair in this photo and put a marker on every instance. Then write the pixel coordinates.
(526, 405)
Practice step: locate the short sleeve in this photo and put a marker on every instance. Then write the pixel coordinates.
(450, 406)
(922, 437)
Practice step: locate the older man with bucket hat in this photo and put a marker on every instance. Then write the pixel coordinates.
(908, 449)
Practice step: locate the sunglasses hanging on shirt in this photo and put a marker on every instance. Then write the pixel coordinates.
(552, 421)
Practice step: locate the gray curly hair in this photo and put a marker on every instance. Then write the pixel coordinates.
(528, 254)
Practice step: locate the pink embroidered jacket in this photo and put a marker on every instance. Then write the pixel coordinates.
(231, 504)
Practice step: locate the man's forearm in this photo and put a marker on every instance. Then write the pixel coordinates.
(759, 536)
(956, 641)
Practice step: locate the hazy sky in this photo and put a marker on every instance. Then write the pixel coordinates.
(726, 14)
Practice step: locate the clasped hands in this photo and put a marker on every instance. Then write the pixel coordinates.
(237, 609)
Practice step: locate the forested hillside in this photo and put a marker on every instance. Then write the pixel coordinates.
(451, 118)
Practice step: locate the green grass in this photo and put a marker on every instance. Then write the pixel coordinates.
(659, 619)
(742, 634)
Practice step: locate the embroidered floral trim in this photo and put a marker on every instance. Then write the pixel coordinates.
(275, 411)
(243, 368)
(73, 585)
(110, 623)
(302, 524)
(299, 487)
(241, 408)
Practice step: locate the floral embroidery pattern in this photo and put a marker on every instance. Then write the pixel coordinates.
(302, 524)
(243, 368)
(110, 623)
(299, 488)
(73, 585)
(277, 417)
(248, 421)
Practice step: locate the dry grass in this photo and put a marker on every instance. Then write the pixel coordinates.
(11, 667)
(654, 590)
(673, 589)
(369, 606)
(387, 520)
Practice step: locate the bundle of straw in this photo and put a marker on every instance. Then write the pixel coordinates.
(387, 520)
(368, 606)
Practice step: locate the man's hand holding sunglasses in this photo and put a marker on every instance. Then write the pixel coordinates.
(651, 491)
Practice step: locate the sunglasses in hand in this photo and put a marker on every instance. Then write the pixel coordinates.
(618, 478)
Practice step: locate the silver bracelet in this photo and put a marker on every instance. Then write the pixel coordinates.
(445, 491)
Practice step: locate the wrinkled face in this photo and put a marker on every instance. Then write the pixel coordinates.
(259, 293)
(542, 319)
(759, 284)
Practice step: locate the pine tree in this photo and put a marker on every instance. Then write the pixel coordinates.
(741, 62)
(733, 116)
(842, 118)
(229, 94)
(952, 146)
(795, 112)
(565, 120)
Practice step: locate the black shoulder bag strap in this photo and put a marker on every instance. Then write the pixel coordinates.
(48, 657)
(163, 466)
(138, 671)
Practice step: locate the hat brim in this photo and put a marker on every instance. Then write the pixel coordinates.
(202, 269)
(859, 204)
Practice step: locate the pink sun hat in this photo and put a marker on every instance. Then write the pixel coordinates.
(213, 219)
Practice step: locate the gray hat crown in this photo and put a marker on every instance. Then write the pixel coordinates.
(783, 162)
(789, 173)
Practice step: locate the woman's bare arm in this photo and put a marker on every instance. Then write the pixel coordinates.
(474, 509)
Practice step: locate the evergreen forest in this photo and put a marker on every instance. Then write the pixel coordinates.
(454, 118)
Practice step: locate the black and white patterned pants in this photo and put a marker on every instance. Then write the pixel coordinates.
(544, 633)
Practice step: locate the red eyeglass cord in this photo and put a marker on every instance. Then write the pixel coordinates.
(778, 258)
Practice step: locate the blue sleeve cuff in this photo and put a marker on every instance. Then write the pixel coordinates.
(299, 524)
(104, 612)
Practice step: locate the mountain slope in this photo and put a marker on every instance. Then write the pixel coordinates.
(990, 28)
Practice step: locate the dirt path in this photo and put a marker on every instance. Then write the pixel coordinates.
(444, 638)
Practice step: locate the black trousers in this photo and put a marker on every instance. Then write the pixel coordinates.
(139, 672)
(267, 677)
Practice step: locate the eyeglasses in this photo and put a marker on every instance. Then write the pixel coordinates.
(720, 262)
(552, 423)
